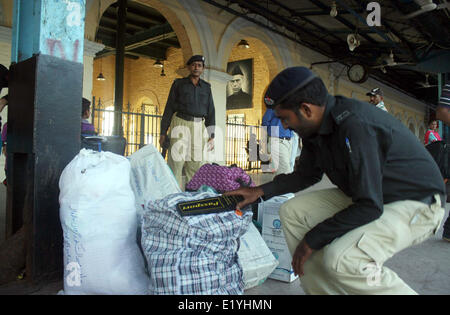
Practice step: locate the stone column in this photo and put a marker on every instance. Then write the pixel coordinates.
(218, 81)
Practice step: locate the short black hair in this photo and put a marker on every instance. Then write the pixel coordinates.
(86, 104)
(314, 93)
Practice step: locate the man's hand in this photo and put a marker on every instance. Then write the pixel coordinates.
(210, 144)
(162, 138)
(301, 255)
(250, 194)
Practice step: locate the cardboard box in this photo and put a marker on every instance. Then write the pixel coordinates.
(273, 235)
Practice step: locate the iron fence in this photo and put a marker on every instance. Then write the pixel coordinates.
(141, 128)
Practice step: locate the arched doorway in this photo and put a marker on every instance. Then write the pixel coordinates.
(153, 56)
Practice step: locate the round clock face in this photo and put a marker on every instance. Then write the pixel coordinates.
(357, 73)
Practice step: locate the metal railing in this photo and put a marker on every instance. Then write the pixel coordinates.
(239, 137)
(141, 128)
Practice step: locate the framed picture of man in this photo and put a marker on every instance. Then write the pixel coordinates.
(240, 87)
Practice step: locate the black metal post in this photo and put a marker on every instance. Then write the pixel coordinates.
(120, 60)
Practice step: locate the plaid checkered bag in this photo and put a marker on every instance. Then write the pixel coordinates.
(192, 254)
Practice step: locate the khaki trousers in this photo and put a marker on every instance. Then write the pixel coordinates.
(353, 263)
(186, 147)
(280, 153)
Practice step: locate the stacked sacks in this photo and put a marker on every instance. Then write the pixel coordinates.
(192, 254)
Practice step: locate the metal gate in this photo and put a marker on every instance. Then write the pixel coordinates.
(141, 128)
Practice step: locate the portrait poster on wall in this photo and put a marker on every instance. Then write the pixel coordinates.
(240, 87)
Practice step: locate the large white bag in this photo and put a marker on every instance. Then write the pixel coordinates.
(151, 177)
(99, 222)
(256, 258)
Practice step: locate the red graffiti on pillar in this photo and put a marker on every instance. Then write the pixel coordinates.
(51, 43)
(75, 50)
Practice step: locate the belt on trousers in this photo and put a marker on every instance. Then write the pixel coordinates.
(187, 116)
(283, 138)
(430, 200)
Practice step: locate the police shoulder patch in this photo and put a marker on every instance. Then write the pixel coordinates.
(341, 115)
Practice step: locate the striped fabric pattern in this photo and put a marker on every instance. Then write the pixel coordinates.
(444, 100)
(194, 254)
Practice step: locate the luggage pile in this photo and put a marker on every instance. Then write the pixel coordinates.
(124, 235)
(192, 254)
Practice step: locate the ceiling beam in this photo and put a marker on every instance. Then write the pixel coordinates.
(275, 18)
(341, 19)
(269, 27)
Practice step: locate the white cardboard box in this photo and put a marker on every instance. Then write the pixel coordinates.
(273, 235)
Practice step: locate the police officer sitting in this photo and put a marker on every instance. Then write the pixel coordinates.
(339, 238)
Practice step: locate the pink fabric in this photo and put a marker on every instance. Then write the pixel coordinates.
(4, 132)
(221, 178)
(427, 136)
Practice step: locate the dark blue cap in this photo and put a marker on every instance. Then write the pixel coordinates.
(286, 83)
(196, 58)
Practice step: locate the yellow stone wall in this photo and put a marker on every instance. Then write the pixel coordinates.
(260, 80)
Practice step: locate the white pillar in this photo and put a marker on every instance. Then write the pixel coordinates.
(218, 81)
(90, 49)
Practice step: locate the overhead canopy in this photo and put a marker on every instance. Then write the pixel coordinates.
(416, 37)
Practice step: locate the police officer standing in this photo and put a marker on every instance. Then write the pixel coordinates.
(190, 99)
(339, 238)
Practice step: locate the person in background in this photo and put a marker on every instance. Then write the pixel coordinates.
(432, 134)
(376, 98)
(3, 104)
(280, 144)
(443, 114)
(190, 106)
(86, 127)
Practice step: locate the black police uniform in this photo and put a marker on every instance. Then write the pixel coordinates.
(371, 156)
(189, 101)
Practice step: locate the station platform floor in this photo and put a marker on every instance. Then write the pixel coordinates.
(424, 267)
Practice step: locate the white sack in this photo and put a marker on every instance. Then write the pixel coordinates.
(256, 258)
(151, 177)
(98, 218)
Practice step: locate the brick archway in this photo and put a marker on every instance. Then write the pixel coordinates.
(277, 56)
(94, 15)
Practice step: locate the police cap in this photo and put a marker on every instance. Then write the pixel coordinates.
(196, 58)
(375, 91)
(286, 83)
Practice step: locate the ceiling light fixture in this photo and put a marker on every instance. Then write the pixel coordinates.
(100, 77)
(333, 11)
(158, 64)
(352, 41)
(243, 44)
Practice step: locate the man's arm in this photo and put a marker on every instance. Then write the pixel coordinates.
(305, 176)
(210, 120)
(443, 113)
(169, 109)
(268, 115)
